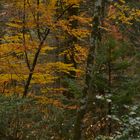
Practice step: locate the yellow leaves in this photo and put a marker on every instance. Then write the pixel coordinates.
(64, 24)
(70, 2)
(47, 48)
(61, 67)
(136, 14)
(123, 13)
(52, 5)
(14, 25)
(14, 38)
(9, 79)
(80, 19)
(47, 12)
(11, 45)
(81, 53)
(44, 74)
(80, 33)
(42, 78)
(37, 17)
(15, 76)
(31, 24)
(122, 1)
(10, 48)
(64, 68)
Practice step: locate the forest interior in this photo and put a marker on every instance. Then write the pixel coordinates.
(69, 69)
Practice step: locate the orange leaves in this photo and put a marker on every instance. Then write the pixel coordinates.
(114, 31)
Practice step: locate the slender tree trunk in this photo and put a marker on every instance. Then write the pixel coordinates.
(109, 85)
(42, 36)
(35, 62)
(89, 89)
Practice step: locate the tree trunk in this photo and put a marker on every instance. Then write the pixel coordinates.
(89, 89)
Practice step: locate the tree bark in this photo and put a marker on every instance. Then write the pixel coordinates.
(89, 89)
